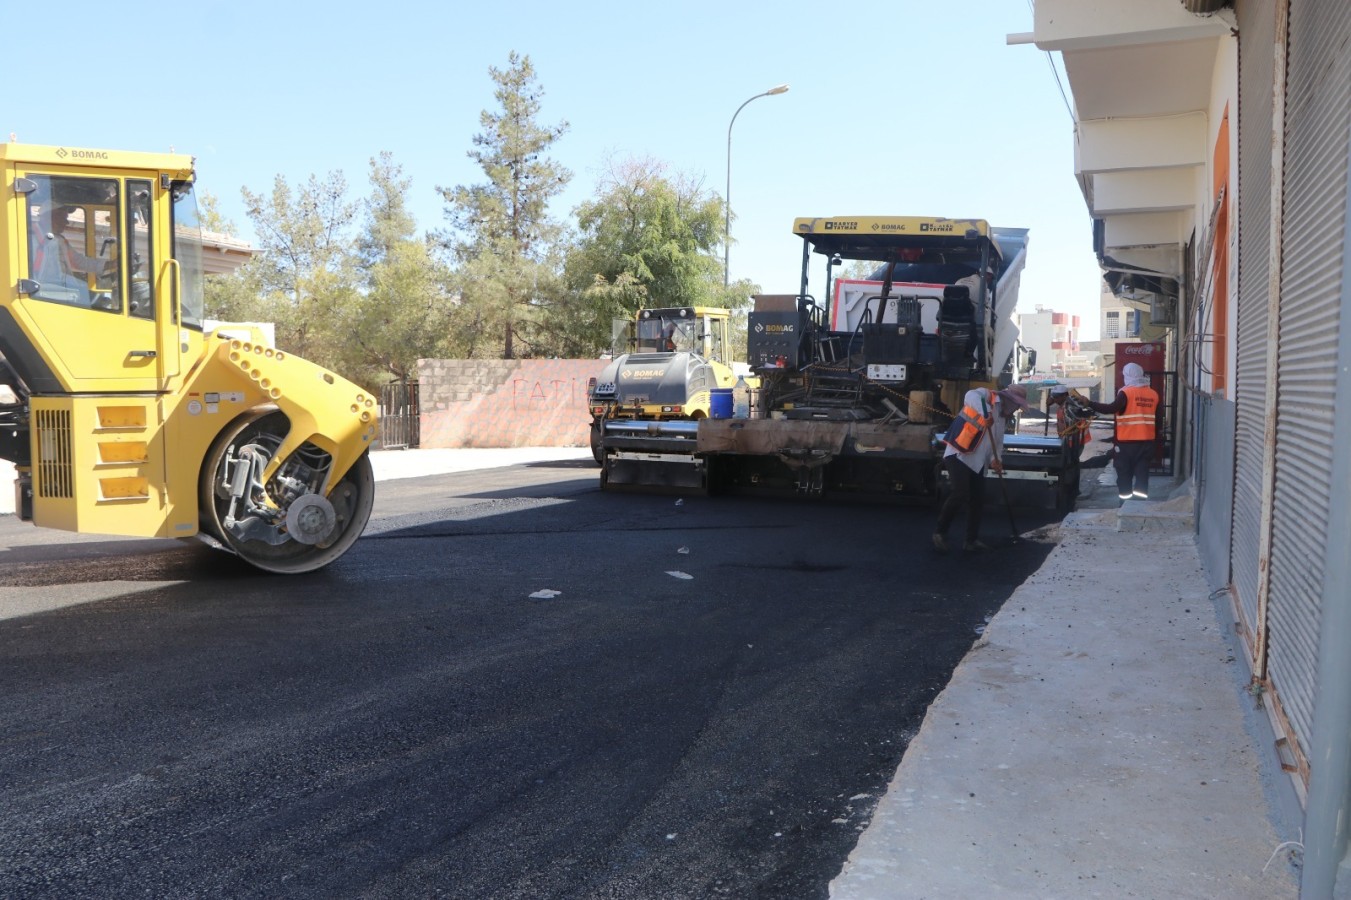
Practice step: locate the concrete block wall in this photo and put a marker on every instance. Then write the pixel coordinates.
(506, 402)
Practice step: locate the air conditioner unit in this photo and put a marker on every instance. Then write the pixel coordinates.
(1162, 310)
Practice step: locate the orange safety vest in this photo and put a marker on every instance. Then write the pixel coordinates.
(1137, 422)
(967, 429)
(63, 253)
(40, 254)
(1076, 432)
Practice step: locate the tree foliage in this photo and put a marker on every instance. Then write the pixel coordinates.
(401, 311)
(306, 265)
(499, 232)
(645, 240)
(236, 297)
(353, 286)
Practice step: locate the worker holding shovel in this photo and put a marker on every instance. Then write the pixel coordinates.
(1136, 408)
(974, 441)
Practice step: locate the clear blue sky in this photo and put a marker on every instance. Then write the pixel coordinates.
(895, 108)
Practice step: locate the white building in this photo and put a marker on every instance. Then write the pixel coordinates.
(1055, 338)
(1212, 143)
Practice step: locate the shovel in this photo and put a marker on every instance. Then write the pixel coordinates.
(1004, 492)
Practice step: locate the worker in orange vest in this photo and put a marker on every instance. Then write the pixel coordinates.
(56, 264)
(975, 441)
(1136, 408)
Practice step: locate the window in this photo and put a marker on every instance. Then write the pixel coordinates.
(666, 332)
(713, 348)
(73, 240)
(142, 263)
(187, 231)
(1113, 327)
(1133, 323)
(622, 336)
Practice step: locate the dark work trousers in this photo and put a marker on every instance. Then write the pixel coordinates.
(1132, 468)
(968, 492)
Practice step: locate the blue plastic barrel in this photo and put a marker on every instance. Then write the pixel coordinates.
(720, 403)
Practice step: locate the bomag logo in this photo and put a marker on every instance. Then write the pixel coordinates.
(81, 154)
(935, 226)
(890, 226)
(779, 329)
(841, 226)
(644, 373)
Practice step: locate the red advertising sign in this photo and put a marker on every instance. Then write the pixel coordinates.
(1152, 357)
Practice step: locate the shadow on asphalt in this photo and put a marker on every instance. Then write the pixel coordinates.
(52, 565)
(563, 464)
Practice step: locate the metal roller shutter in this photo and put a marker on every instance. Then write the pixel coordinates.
(1256, 39)
(1318, 114)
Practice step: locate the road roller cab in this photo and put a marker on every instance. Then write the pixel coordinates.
(124, 414)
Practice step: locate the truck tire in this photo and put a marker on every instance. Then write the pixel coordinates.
(597, 451)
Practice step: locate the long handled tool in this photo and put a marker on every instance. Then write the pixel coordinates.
(1005, 493)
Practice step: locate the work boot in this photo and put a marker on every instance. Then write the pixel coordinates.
(940, 543)
(975, 547)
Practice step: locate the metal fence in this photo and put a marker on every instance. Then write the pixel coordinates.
(399, 416)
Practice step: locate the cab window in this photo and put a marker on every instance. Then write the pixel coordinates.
(73, 242)
(141, 299)
(187, 232)
(714, 329)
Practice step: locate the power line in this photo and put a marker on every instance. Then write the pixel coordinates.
(1050, 61)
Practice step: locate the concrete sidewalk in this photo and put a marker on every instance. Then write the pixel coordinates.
(1095, 742)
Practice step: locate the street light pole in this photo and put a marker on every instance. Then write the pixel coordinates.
(727, 197)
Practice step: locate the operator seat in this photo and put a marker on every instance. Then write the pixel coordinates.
(956, 327)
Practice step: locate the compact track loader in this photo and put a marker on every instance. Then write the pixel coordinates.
(127, 416)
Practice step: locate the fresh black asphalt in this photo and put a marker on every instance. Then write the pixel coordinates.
(410, 722)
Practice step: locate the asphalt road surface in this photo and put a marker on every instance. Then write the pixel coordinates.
(410, 722)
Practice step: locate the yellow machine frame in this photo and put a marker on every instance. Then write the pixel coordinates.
(126, 402)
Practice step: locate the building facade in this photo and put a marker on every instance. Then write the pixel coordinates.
(1212, 144)
(1055, 338)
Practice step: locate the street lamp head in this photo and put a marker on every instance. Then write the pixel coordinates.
(727, 197)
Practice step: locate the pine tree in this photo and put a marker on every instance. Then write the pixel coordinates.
(504, 244)
(401, 312)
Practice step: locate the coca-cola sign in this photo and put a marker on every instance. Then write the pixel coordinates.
(1152, 356)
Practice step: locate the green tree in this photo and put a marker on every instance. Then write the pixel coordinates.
(401, 312)
(500, 234)
(305, 266)
(210, 216)
(234, 297)
(645, 240)
(737, 297)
